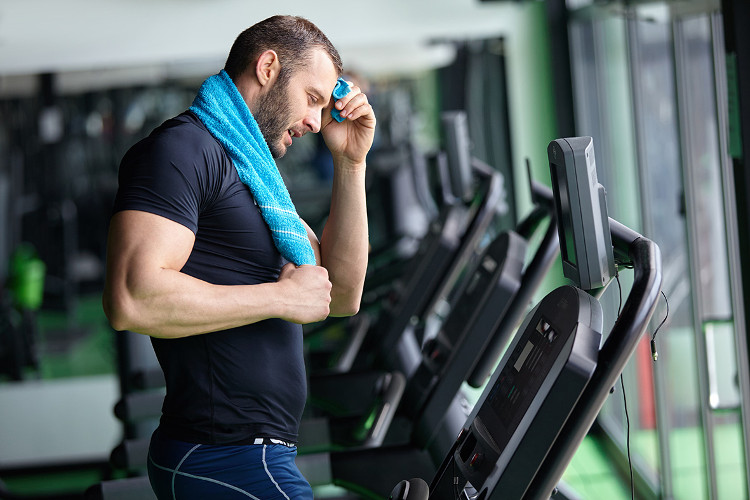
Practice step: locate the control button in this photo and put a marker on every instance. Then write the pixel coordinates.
(543, 327)
(551, 335)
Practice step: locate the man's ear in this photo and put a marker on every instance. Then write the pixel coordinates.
(267, 68)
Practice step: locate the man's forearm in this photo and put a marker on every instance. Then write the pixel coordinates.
(177, 305)
(191, 308)
(344, 243)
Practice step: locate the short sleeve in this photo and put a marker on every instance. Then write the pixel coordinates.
(170, 173)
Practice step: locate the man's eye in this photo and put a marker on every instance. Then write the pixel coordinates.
(313, 99)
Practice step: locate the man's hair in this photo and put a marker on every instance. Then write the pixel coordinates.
(292, 38)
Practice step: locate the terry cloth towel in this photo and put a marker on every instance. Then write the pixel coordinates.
(223, 111)
(340, 90)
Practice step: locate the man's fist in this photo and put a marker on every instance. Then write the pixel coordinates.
(306, 293)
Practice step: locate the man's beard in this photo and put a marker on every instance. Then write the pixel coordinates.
(273, 116)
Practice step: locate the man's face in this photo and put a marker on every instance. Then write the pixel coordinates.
(294, 107)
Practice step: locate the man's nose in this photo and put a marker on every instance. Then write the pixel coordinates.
(312, 121)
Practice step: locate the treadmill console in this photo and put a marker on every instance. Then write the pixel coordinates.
(528, 398)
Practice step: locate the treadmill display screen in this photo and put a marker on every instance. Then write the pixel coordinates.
(524, 354)
(562, 203)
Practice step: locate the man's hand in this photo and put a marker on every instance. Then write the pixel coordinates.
(350, 140)
(306, 294)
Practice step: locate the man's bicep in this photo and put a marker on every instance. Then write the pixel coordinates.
(140, 247)
(142, 241)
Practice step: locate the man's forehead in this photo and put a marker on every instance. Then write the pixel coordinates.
(319, 74)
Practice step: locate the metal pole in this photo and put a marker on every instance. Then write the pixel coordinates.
(663, 425)
(733, 245)
(693, 243)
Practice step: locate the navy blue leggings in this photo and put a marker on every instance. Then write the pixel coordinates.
(182, 471)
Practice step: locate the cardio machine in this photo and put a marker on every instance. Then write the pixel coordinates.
(554, 378)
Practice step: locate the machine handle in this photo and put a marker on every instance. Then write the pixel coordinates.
(392, 389)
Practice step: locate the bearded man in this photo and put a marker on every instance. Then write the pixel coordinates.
(207, 255)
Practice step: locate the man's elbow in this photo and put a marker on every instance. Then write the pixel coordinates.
(347, 307)
(116, 311)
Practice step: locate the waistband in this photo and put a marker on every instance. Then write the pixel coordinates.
(265, 440)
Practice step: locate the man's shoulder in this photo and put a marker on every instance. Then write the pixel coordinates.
(185, 128)
(183, 136)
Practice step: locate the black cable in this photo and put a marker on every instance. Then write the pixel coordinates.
(627, 440)
(625, 401)
(655, 354)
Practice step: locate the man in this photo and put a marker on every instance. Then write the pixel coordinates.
(195, 261)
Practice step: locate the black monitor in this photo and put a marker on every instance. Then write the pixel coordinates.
(581, 206)
(458, 150)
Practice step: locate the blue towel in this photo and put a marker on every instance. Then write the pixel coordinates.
(340, 90)
(223, 111)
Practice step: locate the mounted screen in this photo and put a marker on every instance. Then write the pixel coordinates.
(458, 149)
(581, 206)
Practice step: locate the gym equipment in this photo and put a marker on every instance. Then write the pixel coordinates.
(444, 358)
(546, 368)
(411, 489)
(546, 391)
(552, 382)
(20, 301)
(529, 459)
(585, 249)
(431, 412)
(435, 272)
(454, 241)
(415, 193)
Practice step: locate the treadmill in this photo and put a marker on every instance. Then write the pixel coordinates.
(553, 380)
(454, 241)
(485, 314)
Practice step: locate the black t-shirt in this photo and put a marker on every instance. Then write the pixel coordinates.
(231, 386)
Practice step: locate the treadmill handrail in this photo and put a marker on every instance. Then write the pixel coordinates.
(385, 411)
(474, 233)
(614, 354)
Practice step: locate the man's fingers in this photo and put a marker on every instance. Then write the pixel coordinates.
(353, 93)
(356, 107)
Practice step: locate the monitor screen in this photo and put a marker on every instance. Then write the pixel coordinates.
(562, 206)
(581, 207)
(458, 150)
